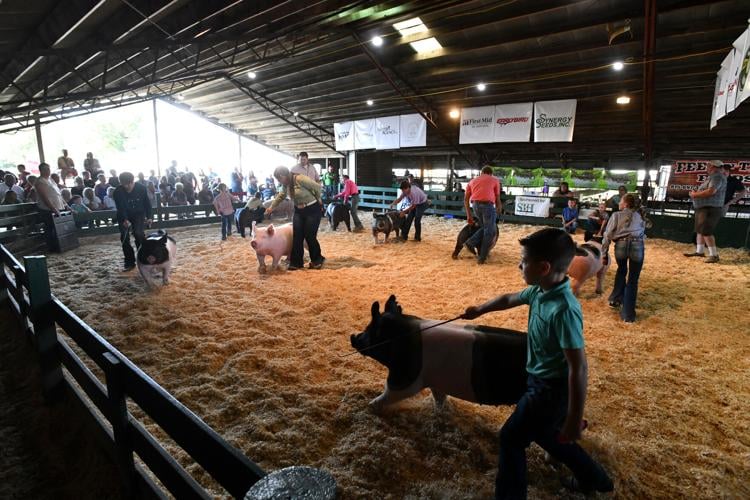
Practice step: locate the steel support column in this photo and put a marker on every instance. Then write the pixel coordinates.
(649, 44)
(156, 141)
(39, 143)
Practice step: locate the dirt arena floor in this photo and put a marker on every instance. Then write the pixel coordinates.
(258, 357)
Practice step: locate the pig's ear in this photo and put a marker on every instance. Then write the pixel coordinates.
(163, 238)
(375, 310)
(270, 230)
(392, 306)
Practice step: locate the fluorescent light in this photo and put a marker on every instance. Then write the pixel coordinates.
(618, 65)
(623, 99)
(454, 113)
(410, 26)
(296, 113)
(369, 102)
(251, 75)
(377, 41)
(426, 45)
(202, 32)
(481, 87)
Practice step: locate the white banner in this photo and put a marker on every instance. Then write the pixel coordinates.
(723, 76)
(554, 120)
(364, 134)
(412, 131)
(743, 82)
(715, 107)
(344, 134)
(532, 206)
(477, 125)
(386, 132)
(734, 72)
(513, 122)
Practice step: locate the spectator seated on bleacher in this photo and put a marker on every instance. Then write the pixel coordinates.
(179, 198)
(570, 216)
(91, 201)
(9, 185)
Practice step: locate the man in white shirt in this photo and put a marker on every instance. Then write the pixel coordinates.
(303, 167)
(10, 185)
(48, 197)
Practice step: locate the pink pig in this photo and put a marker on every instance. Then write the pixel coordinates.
(273, 241)
(586, 264)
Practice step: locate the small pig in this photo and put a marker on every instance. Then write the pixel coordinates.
(336, 213)
(385, 223)
(467, 232)
(244, 216)
(156, 253)
(273, 241)
(480, 364)
(586, 264)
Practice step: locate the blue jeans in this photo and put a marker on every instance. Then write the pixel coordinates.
(629, 256)
(486, 216)
(354, 200)
(305, 229)
(226, 225)
(416, 217)
(538, 417)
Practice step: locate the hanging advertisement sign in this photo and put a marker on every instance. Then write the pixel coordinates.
(364, 134)
(386, 132)
(477, 125)
(532, 206)
(734, 71)
(412, 131)
(513, 122)
(717, 93)
(344, 135)
(687, 175)
(554, 120)
(723, 75)
(743, 81)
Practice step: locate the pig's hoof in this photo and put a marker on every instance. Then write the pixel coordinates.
(262, 270)
(375, 406)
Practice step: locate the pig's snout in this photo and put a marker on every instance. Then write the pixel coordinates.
(151, 259)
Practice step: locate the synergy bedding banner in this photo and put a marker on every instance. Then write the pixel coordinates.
(554, 120)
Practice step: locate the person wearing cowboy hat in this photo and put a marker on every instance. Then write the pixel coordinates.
(708, 200)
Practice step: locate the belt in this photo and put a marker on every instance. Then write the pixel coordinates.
(300, 205)
(483, 202)
(629, 238)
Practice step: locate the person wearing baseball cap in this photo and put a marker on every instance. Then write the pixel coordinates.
(708, 201)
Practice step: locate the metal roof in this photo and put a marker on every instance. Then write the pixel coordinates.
(314, 58)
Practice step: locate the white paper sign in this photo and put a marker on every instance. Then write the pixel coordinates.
(477, 125)
(364, 134)
(412, 131)
(532, 206)
(554, 120)
(386, 132)
(344, 134)
(513, 122)
(723, 75)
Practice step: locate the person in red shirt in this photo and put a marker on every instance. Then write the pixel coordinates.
(484, 193)
(351, 191)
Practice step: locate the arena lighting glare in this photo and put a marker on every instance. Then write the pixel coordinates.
(454, 113)
(296, 113)
(481, 87)
(623, 99)
(369, 102)
(377, 41)
(180, 97)
(251, 75)
(618, 65)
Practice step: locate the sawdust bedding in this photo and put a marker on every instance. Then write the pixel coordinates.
(258, 358)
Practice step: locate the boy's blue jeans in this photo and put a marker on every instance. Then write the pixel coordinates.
(226, 225)
(629, 256)
(538, 417)
(486, 216)
(414, 216)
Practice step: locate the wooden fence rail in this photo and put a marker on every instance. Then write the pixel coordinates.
(27, 291)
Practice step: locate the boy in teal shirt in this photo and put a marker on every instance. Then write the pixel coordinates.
(551, 411)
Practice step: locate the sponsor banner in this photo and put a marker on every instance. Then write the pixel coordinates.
(412, 131)
(386, 132)
(734, 71)
(532, 206)
(477, 125)
(344, 135)
(513, 122)
(717, 93)
(743, 81)
(723, 76)
(687, 175)
(364, 134)
(554, 120)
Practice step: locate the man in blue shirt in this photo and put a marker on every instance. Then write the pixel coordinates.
(550, 413)
(708, 201)
(570, 216)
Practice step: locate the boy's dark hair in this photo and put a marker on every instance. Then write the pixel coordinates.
(126, 178)
(257, 194)
(487, 170)
(574, 200)
(405, 185)
(303, 153)
(345, 176)
(552, 245)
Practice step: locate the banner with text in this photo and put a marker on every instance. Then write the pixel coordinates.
(386, 132)
(532, 206)
(477, 125)
(344, 134)
(687, 175)
(364, 134)
(412, 131)
(734, 71)
(554, 120)
(513, 122)
(743, 82)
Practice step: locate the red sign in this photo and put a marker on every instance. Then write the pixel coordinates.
(688, 175)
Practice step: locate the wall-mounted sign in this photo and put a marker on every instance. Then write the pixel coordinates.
(532, 206)
(687, 175)
(554, 120)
